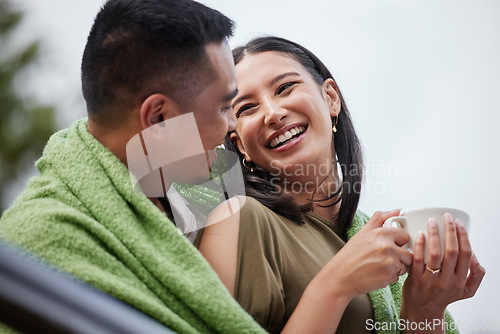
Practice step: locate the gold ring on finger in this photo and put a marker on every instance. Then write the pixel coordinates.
(433, 271)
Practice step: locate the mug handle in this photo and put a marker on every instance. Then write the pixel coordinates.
(397, 222)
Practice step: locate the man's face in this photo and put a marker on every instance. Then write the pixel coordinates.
(212, 107)
(182, 148)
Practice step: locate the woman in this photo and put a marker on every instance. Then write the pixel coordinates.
(294, 253)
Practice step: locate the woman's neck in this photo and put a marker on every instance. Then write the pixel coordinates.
(320, 195)
(329, 212)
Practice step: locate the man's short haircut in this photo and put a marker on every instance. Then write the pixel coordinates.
(139, 47)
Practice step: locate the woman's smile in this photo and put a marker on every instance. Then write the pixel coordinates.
(287, 137)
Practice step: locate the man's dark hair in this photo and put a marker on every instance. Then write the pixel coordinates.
(139, 47)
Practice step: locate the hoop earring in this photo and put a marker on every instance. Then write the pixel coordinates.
(334, 128)
(244, 164)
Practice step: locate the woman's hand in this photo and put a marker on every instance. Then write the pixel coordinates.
(370, 260)
(430, 288)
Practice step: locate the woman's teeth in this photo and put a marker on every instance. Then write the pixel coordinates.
(293, 132)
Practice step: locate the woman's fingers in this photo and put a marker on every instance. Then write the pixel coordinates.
(451, 247)
(378, 219)
(419, 254)
(465, 255)
(434, 259)
(403, 270)
(405, 256)
(400, 237)
(441, 282)
(476, 275)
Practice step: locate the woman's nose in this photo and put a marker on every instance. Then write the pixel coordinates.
(274, 113)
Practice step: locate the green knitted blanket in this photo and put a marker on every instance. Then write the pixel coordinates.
(82, 215)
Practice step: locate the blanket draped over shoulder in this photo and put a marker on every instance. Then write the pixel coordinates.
(82, 215)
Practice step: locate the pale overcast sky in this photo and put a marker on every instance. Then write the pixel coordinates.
(421, 79)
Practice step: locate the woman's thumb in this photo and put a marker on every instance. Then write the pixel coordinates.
(379, 217)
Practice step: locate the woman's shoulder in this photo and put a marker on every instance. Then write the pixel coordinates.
(251, 205)
(219, 244)
(229, 209)
(237, 210)
(237, 220)
(256, 215)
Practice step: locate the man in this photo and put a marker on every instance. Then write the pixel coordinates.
(146, 62)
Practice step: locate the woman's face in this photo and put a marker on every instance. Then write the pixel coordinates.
(284, 116)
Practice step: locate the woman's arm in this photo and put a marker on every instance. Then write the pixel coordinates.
(219, 244)
(372, 259)
(318, 310)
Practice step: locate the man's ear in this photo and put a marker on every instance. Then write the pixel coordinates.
(332, 96)
(237, 141)
(156, 108)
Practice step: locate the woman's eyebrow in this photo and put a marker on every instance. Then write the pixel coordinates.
(241, 98)
(272, 82)
(281, 76)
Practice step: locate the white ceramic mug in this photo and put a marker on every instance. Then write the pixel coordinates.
(416, 220)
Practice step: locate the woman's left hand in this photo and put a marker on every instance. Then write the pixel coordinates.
(430, 288)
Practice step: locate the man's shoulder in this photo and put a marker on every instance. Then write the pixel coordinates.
(44, 191)
(51, 228)
(39, 211)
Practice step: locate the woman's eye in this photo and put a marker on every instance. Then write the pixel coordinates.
(285, 86)
(244, 108)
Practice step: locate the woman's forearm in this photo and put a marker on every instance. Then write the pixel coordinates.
(319, 309)
(415, 322)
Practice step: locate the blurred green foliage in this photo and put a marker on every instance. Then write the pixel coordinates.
(25, 125)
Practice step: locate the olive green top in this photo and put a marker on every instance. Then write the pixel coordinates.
(277, 259)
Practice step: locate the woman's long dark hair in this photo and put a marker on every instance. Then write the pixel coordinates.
(258, 184)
